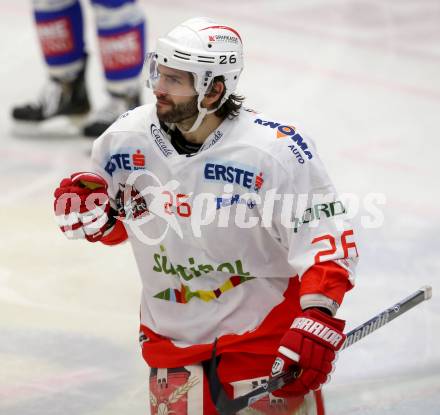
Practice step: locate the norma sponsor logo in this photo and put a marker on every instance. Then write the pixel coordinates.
(236, 199)
(160, 141)
(125, 161)
(121, 51)
(298, 145)
(227, 172)
(56, 36)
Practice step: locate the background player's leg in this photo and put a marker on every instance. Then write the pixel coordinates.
(121, 34)
(60, 33)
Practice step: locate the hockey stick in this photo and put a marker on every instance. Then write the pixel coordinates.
(228, 406)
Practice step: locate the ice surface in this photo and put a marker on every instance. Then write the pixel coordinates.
(362, 77)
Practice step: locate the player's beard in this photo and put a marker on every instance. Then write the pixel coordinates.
(178, 112)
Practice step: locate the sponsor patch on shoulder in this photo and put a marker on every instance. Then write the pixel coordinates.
(295, 142)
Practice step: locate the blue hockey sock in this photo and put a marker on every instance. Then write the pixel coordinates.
(60, 31)
(121, 32)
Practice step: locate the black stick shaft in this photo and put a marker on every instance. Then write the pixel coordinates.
(388, 315)
(226, 406)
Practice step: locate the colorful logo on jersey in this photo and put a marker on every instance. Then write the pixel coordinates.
(160, 140)
(125, 161)
(130, 204)
(227, 172)
(297, 146)
(192, 270)
(236, 199)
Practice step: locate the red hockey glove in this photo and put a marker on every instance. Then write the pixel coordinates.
(309, 347)
(82, 205)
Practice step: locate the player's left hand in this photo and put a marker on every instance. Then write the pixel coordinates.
(310, 348)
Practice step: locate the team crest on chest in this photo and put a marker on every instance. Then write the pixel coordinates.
(130, 203)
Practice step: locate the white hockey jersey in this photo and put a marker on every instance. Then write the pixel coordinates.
(219, 235)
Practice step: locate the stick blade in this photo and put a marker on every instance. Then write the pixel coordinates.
(427, 290)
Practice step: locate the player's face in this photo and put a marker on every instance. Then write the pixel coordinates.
(176, 96)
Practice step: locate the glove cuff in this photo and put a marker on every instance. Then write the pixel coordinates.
(290, 354)
(322, 317)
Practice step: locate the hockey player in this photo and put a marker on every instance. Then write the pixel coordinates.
(64, 100)
(236, 229)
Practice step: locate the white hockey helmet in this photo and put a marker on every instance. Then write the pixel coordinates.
(203, 47)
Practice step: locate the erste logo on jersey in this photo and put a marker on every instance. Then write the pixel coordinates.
(227, 172)
(299, 146)
(125, 161)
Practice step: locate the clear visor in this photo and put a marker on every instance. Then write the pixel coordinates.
(161, 78)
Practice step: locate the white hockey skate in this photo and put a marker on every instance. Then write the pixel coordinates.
(107, 115)
(59, 111)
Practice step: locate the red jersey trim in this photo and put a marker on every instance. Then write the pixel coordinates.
(160, 352)
(326, 278)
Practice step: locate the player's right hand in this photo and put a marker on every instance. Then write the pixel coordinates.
(81, 206)
(309, 348)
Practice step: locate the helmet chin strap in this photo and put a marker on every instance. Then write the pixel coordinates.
(203, 112)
